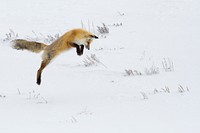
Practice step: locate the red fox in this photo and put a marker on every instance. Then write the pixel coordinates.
(76, 38)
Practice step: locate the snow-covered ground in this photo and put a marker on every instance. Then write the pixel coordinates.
(145, 78)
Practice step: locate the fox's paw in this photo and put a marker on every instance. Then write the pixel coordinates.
(38, 81)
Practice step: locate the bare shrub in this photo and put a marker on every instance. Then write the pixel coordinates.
(117, 24)
(51, 38)
(182, 89)
(92, 60)
(144, 95)
(103, 29)
(148, 71)
(2, 96)
(45, 38)
(88, 26)
(10, 36)
(168, 65)
(166, 89)
(121, 13)
(152, 70)
(130, 72)
(34, 96)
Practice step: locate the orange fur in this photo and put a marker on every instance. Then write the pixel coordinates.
(76, 38)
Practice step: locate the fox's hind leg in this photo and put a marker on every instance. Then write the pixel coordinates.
(44, 63)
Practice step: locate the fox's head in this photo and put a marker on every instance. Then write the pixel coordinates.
(89, 39)
(83, 37)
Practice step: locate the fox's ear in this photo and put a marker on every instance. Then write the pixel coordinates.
(93, 36)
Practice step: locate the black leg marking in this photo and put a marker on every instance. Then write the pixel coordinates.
(79, 49)
(39, 80)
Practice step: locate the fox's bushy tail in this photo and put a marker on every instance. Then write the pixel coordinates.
(21, 44)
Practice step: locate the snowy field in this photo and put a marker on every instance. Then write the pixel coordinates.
(141, 77)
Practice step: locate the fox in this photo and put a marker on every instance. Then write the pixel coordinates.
(75, 38)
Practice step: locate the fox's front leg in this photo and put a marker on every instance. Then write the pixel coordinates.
(79, 49)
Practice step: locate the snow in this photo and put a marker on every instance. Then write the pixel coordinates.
(102, 97)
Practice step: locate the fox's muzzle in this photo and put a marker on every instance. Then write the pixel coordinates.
(93, 36)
